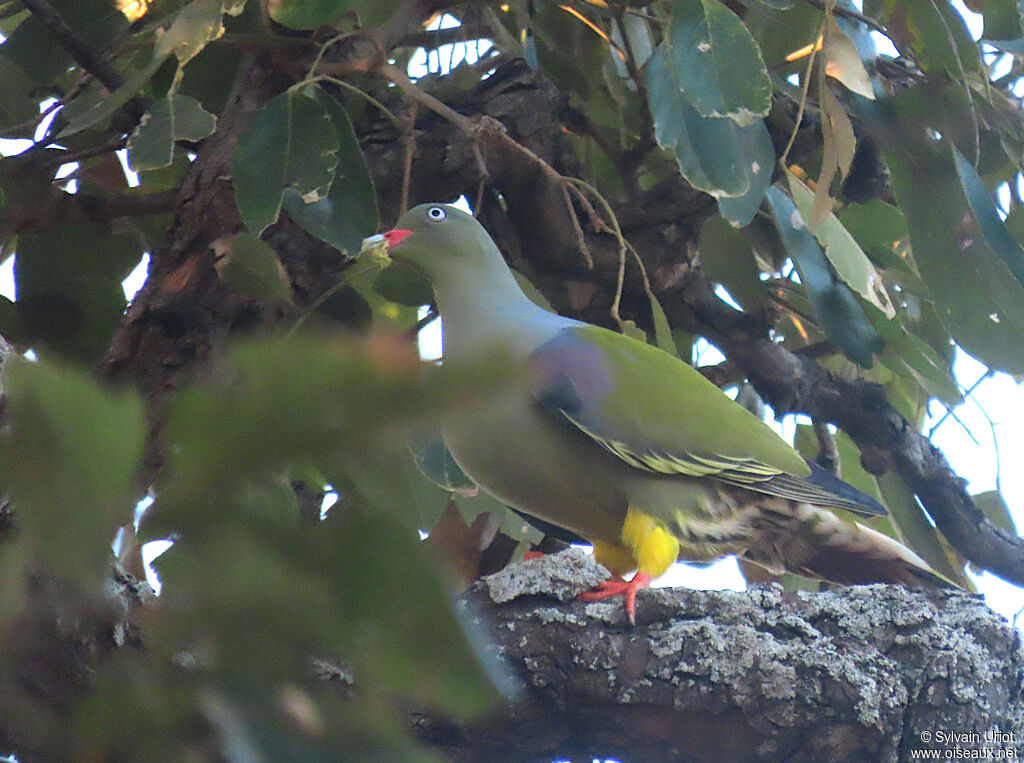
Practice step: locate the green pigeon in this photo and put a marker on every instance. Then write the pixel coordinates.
(626, 445)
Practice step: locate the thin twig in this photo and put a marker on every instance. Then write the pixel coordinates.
(401, 79)
(803, 100)
(476, 128)
(422, 323)
(851, 14)
(87, 153)
(344, 281)
(353, 89)
(409, 142)
(949, 411)
(37, 120)
(577, 229)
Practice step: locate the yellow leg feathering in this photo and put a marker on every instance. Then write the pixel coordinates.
(654, 547)
(615, 558)
(647, 547)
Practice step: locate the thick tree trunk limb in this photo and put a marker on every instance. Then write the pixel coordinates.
(865, 673)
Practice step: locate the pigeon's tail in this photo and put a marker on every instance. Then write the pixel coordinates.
(818, 543)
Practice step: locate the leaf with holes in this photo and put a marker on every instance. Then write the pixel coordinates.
(291, 143)
(348, 213)
(712, 152)
(759, 160)
(717, 64)
(172, 118)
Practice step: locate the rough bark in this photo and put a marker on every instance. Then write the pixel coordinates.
(868, 673)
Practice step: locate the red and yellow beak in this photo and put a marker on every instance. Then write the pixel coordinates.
(377, 247)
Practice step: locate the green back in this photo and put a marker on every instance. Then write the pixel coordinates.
(655, 412)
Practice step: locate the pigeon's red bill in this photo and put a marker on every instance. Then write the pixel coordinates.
(396, 236)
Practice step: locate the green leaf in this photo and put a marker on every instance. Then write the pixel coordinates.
(756, 145)
(10, 327)
(717, 64)
(361, 587)
(781, 5)
(711, 151)
(251, 267)
(16, 105)
(780, 31)
(22, 50)
(198, 23)
(404, 284)
(93, 20)
(70, 460)
(1002, 20)
(878, 228)
(390, 481)
(309, 14)
(910, 355)
(848, 259)
(978, 299)
(211, 74)
(172, 118)
(1014, 223)
(394, 592)
(662, 329)
(728, 259)
(835, 307)
(195, 25)
(290, 143)
(33, 65)
(69, 295)
(348, 213)
(989, 221)
(302, 418)
(575, 59)
(347, 396)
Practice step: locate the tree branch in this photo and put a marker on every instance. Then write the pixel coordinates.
(725, 675)
(64, 209)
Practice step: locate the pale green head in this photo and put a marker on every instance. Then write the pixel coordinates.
(442, 240)
(469, 277)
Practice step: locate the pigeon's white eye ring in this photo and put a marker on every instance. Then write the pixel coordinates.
(436, 214)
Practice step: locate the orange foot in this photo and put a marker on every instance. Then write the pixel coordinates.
(528, 555)
(616, 587)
